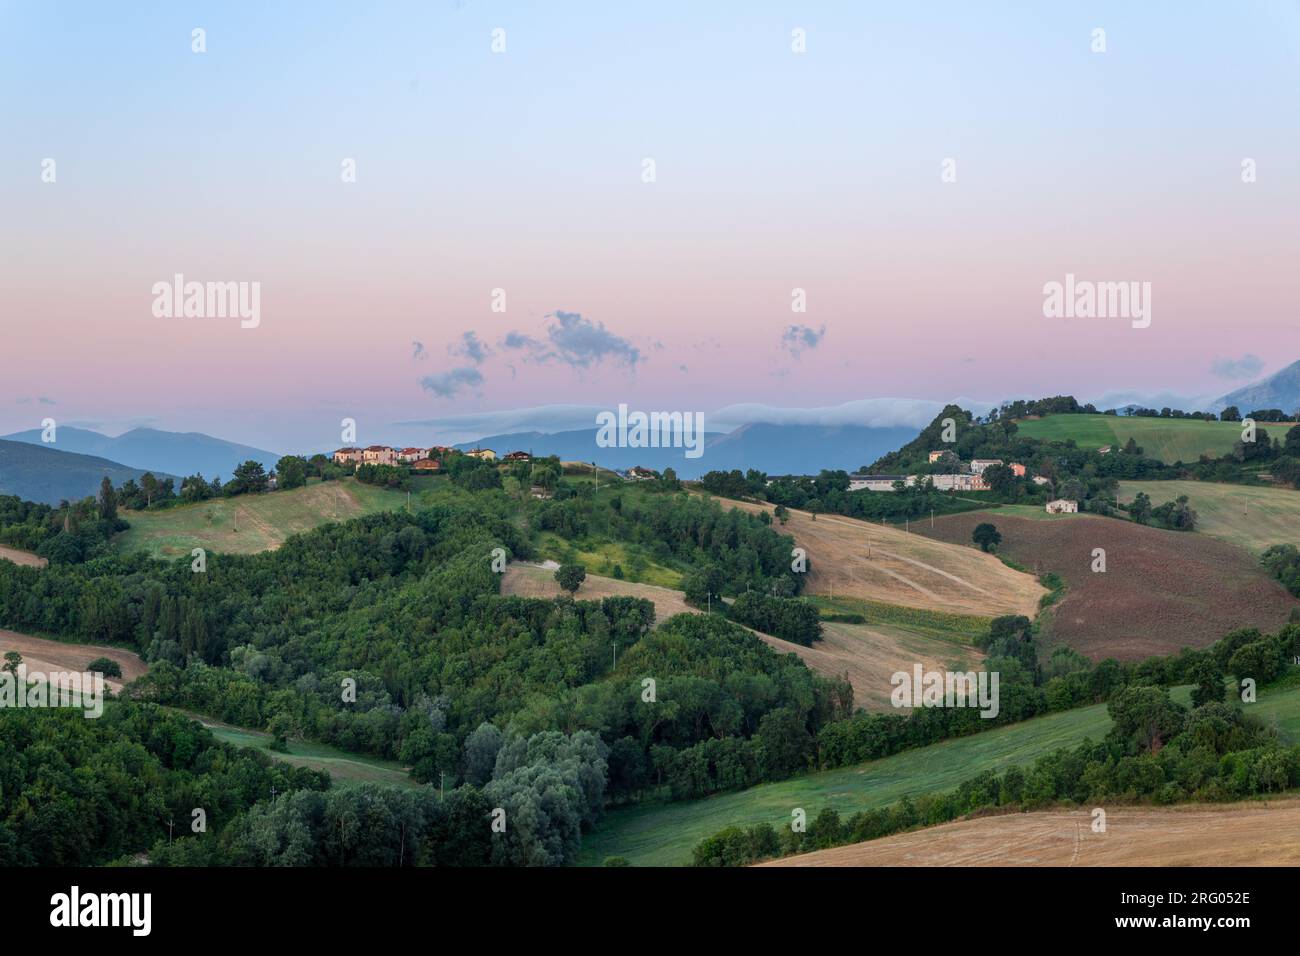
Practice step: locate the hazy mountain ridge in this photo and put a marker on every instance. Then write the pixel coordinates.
(148, 449)
(36, 472)
(1279, 390)
(775, 449)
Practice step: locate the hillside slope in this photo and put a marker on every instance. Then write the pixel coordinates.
(251, 523)
(1161, 590)
(1168, 439)
(664, 834)
(864, 653)
(49, 475)
(852, 558)
(1248, 516)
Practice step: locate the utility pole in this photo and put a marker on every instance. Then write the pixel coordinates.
(442, 784)
(616, 655)
(931, 519)
(170, 824)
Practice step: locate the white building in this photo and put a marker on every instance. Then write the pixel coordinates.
(978, 465)
(1062, 506)
(877, 482)
(1040, 480)
(941, 482)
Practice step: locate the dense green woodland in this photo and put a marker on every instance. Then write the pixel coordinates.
(450, 677)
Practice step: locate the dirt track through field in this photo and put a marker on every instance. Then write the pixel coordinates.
(866, 655)
(40, 654)
(851, 558)
(22, 557)
(1250, 834)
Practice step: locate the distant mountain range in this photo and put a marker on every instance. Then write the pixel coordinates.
(42, 473)
(775, 449)
(1279, 390)
(176, 453)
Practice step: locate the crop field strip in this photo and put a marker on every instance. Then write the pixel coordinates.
(1161, 591)
(1168, 439)
(664, 834)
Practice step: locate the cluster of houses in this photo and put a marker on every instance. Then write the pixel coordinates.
(430, 459)
(972, 479)
(417, 459)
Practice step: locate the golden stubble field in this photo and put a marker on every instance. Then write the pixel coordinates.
(855, 559)
(1243, 834)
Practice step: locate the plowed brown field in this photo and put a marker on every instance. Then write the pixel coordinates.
(22, 557)
(40, 654)
(1161, 590)
(1250, 834)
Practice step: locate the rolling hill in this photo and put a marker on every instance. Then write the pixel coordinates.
(251, 523)
(854, 559)
(148, 449)
(1168, 439)
(1248, 516)
(664, 834)
(37, 472)
(1161, 590)
(867, 654)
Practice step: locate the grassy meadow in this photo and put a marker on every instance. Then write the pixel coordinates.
(1168, 439)
(1250, 517)
(344, 768)
(247, 524)
(663, 834)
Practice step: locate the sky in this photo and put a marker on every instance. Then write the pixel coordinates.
(524, 169)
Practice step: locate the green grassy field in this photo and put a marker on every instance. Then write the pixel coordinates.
(663, 834)
(344, 768)
(599, 557)
(1168, 439)
(251, 523)
(1250, 517)
(949, 628)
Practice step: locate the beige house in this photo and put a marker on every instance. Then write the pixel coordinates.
(1062, 506)
(486, 454)
(378, 455)
(347, 456)
(412, 454)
